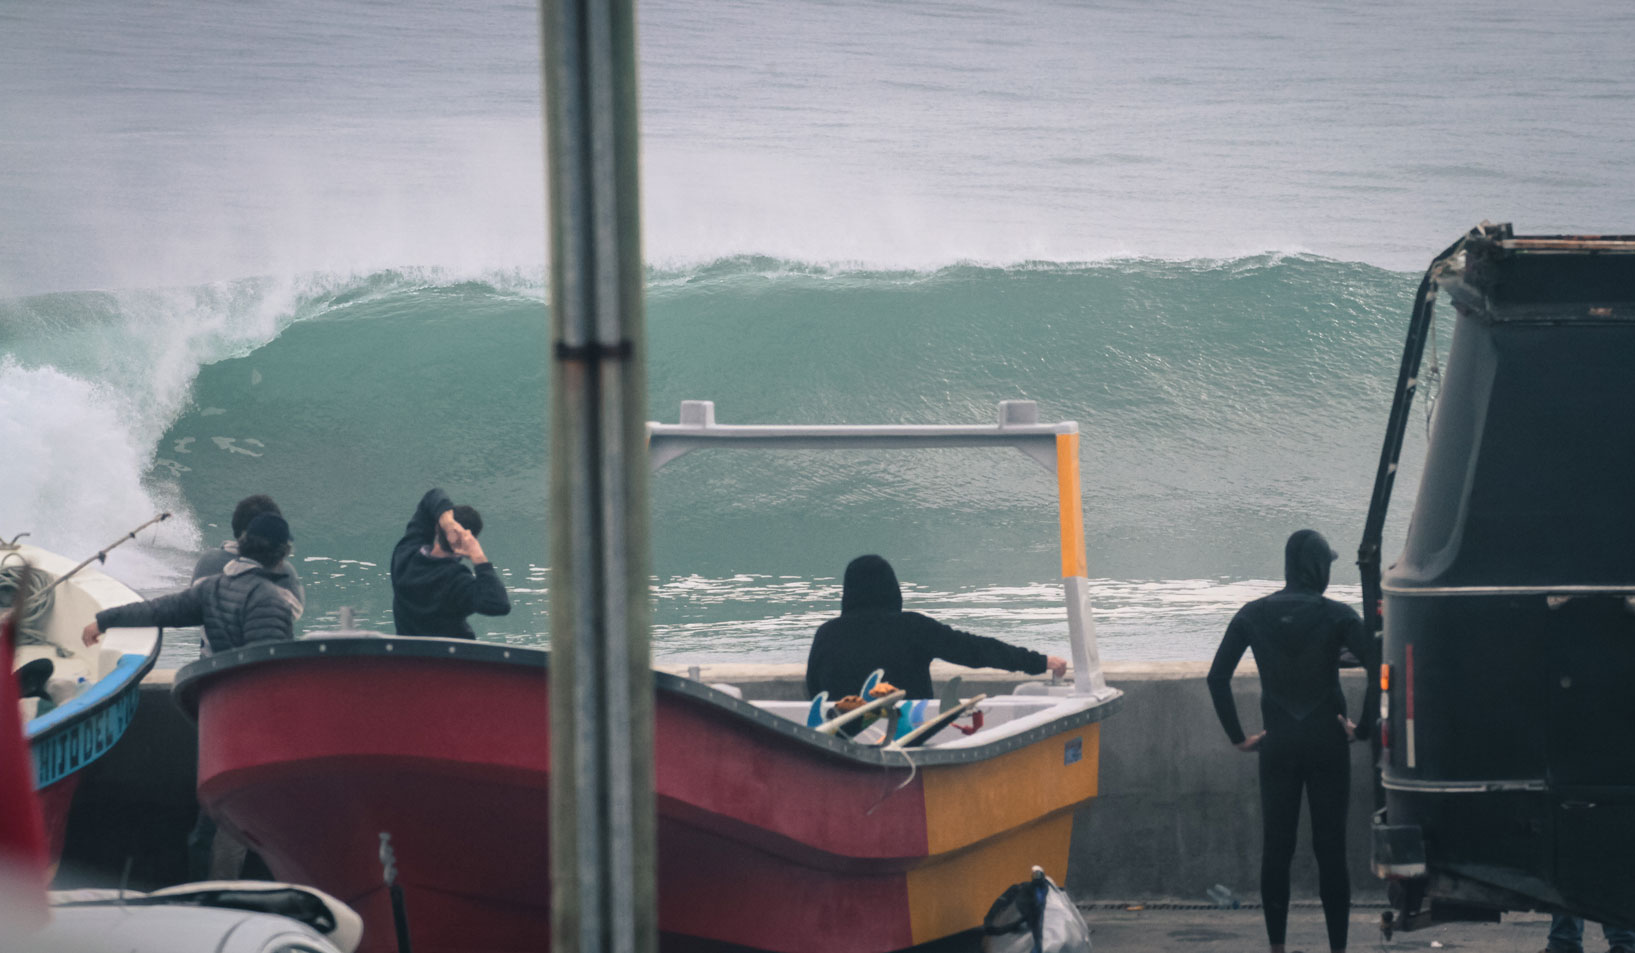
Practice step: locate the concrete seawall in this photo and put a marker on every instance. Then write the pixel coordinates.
(1178, 809)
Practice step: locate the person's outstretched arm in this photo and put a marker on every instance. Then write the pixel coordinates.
(981, 651)
(1227, 657)
(173, 611)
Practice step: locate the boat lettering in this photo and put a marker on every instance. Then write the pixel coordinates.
(83, 742)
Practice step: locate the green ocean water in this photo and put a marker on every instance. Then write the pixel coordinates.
(1223, 404)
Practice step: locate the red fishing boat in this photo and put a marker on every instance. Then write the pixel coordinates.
(772, 834)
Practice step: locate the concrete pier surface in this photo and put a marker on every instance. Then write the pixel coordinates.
(1178, 809)
(1243, 931)
(1152, 930)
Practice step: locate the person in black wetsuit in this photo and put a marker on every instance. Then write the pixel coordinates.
(432, 590)
(1297, 634)
(872, 631)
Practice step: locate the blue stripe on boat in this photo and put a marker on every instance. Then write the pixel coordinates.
(68, 738)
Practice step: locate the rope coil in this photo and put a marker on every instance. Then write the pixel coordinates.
(31, 622)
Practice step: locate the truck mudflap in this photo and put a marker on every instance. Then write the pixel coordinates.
(1399, 850)
(1399, 859)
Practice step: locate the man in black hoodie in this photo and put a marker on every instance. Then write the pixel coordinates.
(873, 632)
(432, 590)
(1296, 634)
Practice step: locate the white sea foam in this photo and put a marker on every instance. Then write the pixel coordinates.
(73, 467)
(85, 397)
(772, 618)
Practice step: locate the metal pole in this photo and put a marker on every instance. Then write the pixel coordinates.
(602, 812)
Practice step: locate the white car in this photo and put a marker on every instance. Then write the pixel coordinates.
(211, 917)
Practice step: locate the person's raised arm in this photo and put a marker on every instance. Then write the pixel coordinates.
(422, 528)
(1227, 657)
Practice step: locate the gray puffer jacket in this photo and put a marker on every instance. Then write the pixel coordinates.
(246, 603)
(215, 561)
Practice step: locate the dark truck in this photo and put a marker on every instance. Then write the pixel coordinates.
(1507, 750)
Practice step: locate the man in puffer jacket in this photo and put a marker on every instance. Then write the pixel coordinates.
(214, 561)
(247, 602)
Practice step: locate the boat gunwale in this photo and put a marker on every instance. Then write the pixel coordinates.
(125, 677)
(423, 648)
(115, 687)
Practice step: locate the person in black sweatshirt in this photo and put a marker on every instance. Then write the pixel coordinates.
(872, 631)
(432, 590)
(1296, 634)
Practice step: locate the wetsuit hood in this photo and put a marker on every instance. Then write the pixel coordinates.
(870, 584)
(1307, 557)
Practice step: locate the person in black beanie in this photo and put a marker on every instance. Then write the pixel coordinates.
(248, 601)
(872, 631)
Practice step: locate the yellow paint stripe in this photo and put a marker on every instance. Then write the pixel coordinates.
(1069, 502)
(969, 803)
(946, 898)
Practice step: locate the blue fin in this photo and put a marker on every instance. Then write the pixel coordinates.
(912, 714)
(814, 715)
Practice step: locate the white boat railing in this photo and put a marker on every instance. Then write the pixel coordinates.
(1054, 446)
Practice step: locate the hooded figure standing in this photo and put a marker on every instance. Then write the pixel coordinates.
(1297, 634)
(432, 590)
(872, 631)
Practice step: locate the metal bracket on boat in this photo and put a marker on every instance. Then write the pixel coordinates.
(12, 543)
(1054, 446)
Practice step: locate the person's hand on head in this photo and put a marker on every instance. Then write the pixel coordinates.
(464, 543)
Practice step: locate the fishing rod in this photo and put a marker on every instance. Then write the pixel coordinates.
(101, 555)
